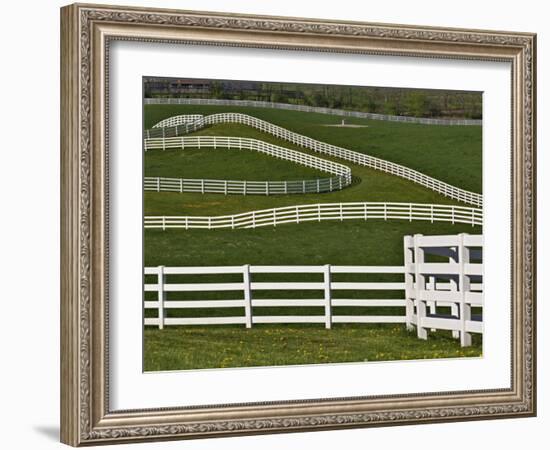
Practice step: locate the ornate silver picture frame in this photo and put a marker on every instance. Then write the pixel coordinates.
(87, 32)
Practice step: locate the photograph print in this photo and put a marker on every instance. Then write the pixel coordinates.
(294, 224)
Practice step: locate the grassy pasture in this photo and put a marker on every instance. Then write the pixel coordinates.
(449, 153)
(453, 155)
(368, 184)
(181, 348)
(225, 164)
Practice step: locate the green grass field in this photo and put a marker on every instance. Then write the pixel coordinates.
(448, 153)
(368, 185)
(451, 154)
(179, 348)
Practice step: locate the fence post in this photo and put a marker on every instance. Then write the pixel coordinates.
(181, 185)
(158, 184)
(420, 285)
(463, 287)
(328, 301)
(433, 304)
(160, 296)
(409, 285)
(454, 306)
(247, 296)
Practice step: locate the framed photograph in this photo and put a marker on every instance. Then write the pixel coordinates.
(276, 224)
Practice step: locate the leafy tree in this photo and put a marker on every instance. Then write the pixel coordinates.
(416, 104)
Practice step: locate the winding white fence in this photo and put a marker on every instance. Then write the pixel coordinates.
(428, 295)
(251, 144)
(184, 126)
(321, 212)
(178, 120)
(314, 109)
(204, 186)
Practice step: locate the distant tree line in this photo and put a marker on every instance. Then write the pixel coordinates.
(394, 101)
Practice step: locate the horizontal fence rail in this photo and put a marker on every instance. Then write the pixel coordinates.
(428, 295)
(321, 212)
(314, 109)
(182, 125)
(239, 143)
(204, 186)
(320, 295)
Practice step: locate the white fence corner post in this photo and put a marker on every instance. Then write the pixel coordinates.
(455, 310)
(247, 296)
(464, 287)
(328, 299)
(160, 296)
(409, 285)
(420, 285)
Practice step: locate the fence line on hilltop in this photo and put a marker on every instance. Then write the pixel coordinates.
(314, 109)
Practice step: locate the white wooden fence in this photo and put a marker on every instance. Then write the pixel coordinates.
(178, 120)
(184, 127)
(324, 300)
(203, 186)
(315, 109)
(321, 212)
(455, 284)
(214, 142)
(423, 287)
